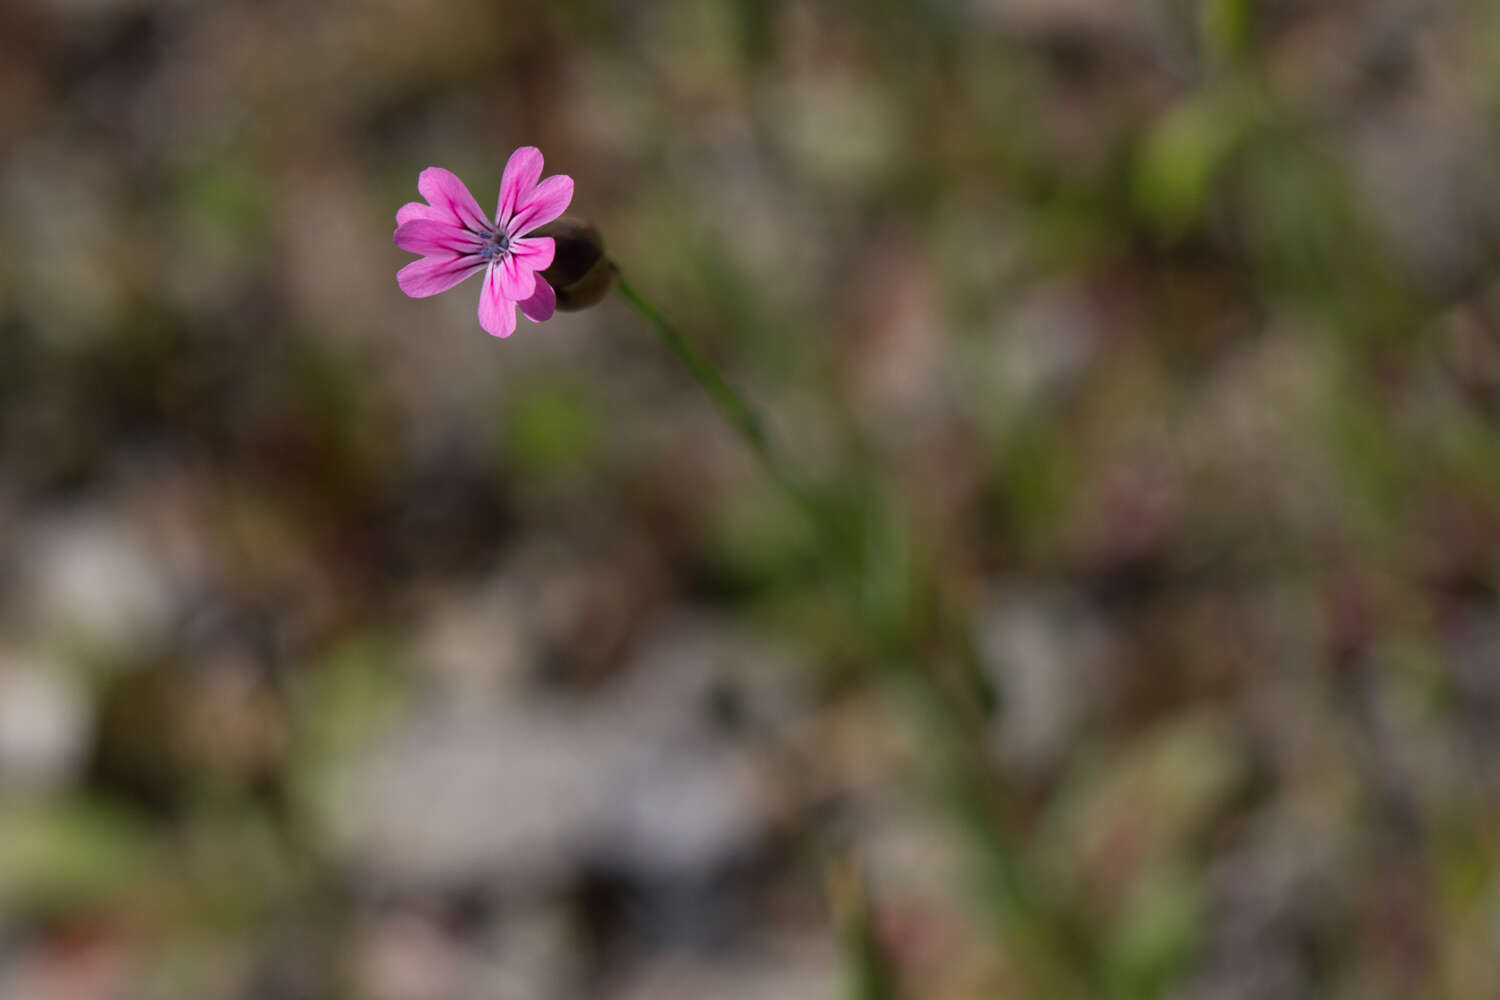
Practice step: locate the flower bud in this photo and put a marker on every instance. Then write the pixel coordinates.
(581, 272)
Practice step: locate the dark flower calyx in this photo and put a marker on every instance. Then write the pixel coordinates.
(581, 271)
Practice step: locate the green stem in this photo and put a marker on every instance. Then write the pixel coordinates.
(735, 408)
(1009, 888)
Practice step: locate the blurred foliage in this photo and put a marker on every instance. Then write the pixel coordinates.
(1136, 632)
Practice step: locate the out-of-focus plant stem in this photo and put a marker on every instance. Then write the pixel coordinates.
(1059, 960)
(871, 976)
(740, 414)
(736, 410)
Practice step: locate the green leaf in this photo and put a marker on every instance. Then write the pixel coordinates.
(68, 855)
(1181, 158)
(1227, 29)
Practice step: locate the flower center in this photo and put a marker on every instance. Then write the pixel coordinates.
(495, 245)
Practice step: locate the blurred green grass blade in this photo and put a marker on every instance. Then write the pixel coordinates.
(870, 975)
(1226, 29)
(70, 855)
(1181, 158)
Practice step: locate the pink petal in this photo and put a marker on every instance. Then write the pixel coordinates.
(427, 236)
(542, 304)
(431, 275)
(413, 210)
(517, 280)
(449, 195)
(522, 171)
(549, 200)
(534, 251)
(497, 314)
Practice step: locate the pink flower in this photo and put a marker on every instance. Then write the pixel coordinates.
(456, 240)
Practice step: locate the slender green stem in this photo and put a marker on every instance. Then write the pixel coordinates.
(870, 971)
(734, 406)
(1009, 887)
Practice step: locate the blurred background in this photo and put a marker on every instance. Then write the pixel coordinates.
(1146, 351)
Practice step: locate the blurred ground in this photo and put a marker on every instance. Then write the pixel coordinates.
(1153, 345)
